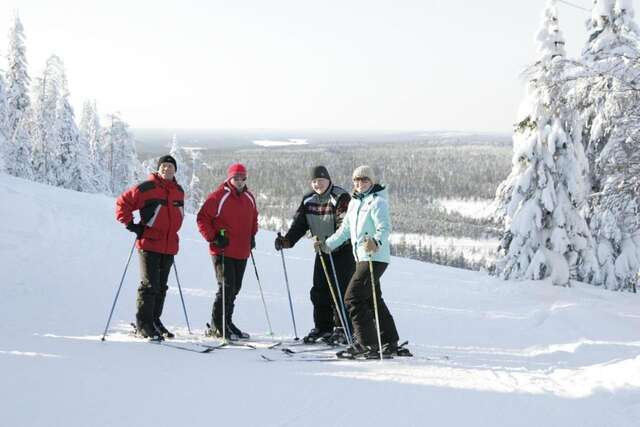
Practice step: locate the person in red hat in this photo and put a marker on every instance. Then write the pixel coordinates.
(228, 220)
(160, 201)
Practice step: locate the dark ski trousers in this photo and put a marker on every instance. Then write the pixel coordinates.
(325, 316)
(154, 274)
(233, 273)
(359, 300)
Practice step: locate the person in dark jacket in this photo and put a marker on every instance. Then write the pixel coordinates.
(160, 201)
(228, 220)
(321, 212)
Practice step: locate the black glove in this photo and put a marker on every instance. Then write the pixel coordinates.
(253, 242)
(281, 243)
(138, 229)
(220, 241)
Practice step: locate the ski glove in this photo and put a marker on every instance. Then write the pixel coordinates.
(321, 247)
(370, 246)
(220, 241)
(281, 243)
(138, 229)
(253, 242)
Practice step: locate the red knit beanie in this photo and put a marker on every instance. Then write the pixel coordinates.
(236, 169)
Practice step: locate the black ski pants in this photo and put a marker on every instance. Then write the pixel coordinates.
(359, 300)
(325, 316)
(230, 273)
(154, 274)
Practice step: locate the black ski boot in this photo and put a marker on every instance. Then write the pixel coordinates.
(354, 351)
(149, 332)
(162, 330)
(393, 349)
(374, 353)
(337, 337)
(236, 331)
(314, 335)
(213, 331)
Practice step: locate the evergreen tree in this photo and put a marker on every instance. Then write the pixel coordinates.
(610, 99)
(91, 131)
(44, 126)
(544, 231)
(183, 175)
(18, 157)
(123, 167)
(73, 150)
(195, 193)
(4, 130)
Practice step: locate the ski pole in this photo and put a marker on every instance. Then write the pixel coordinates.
(224, 298)
(333, 294)
(113, 306)
(375, 302)
(264, 304)
(286, 281)
(184, 308)
(344, 311)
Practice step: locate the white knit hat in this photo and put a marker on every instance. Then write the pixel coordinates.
(364, 171)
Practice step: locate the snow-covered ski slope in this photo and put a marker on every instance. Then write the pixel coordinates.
(520, 354)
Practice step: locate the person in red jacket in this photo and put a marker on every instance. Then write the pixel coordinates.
(228, 220)
(160, 201)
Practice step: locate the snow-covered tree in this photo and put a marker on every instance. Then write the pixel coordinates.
(91, 131)
(610, 101)
(540, 202)
(122, 167)
(4, 130)
(76, 171)
(18, 156)
(178, 153)
(195, 193)
(44, 127)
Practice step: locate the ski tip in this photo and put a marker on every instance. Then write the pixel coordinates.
(265, 358)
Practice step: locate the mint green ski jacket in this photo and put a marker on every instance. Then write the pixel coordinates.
(367, 216)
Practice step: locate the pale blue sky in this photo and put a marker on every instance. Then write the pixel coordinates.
(350, 64)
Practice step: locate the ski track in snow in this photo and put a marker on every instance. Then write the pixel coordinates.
(519, 353)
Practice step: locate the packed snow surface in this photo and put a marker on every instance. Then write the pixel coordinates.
(517, 353)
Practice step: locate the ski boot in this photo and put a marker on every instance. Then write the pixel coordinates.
(314, 335)
(214, 332)
(236, 331)
(149, 332)
(354, 351)
(162, 330)
(393, 349)
(337, 337)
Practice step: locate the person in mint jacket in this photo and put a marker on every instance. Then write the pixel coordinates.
(368, 225)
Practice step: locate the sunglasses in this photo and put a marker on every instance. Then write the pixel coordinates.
(239, 178)
(360, 178)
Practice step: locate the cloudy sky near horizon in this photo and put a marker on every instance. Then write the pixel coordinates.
(294, 64)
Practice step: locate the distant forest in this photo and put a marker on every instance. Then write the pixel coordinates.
(416, 174)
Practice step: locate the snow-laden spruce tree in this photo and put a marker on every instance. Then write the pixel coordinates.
(18, 157)
(610, 101)
(195, 192)
(44, 126)
(91, 131)
(183, 175)
(540, 202)
(73, 150)
(122, 167)
(4, 130)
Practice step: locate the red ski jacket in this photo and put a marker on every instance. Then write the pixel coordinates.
(161, 206)
(233, 211)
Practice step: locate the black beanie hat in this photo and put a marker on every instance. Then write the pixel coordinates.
(319, 172)
(167, 159)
